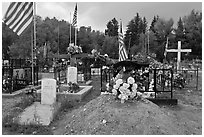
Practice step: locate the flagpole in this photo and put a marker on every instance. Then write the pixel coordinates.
(70, 29)
(34, 38)
(75, 36)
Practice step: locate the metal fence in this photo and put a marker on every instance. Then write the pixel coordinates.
(17, 74)
(163, 80)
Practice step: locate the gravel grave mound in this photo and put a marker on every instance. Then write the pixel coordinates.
(106, 116)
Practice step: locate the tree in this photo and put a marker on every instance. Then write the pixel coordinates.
(153, 23)
(180, 31)
(112, 28)
(162, 29)
(193, 33)
(110, 47)
(134, 29)
(8, 38)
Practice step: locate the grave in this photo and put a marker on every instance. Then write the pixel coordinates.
(42, 112)
(72, 75)
(179, 50)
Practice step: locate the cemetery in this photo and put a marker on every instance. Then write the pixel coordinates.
(102, 84)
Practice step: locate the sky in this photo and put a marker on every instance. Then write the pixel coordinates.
(97, 14)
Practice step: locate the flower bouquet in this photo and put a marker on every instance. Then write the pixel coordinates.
(125, 90)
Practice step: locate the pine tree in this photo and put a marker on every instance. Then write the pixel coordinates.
(180, 31)
(112, 28)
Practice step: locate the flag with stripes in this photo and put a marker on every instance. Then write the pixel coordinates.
(74, 22)
(18, 16)
(122, 51)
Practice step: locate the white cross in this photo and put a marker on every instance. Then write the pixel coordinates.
(179, 50)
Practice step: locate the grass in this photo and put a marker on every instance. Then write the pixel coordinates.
(10, 121)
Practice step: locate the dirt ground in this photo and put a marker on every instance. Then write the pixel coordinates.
(103, 115)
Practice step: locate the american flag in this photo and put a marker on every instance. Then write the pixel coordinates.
(122, 51)
(18, 16)
(74, 22)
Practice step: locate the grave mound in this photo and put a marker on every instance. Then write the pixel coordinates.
(105, 116)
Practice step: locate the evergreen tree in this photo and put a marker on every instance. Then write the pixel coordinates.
(180, 31)
(112, 28)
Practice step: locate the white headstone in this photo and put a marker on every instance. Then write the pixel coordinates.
(72, 75)
(48, 91)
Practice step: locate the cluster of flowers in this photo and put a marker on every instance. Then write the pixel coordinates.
(125, 90)
(74, 49)
(73, 87)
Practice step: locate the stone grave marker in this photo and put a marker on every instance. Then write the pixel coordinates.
(48, 91)
(72, 75)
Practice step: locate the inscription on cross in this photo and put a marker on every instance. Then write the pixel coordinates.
(179, 50)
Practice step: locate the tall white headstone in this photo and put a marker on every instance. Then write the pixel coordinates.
(48, 91)
(72, 75)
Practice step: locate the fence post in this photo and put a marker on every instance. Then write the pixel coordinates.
(171, 83)
(197, 79)
(101, 80)
(155, 89)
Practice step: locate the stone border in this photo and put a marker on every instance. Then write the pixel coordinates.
(89, 82)
(18, 92)
(24, 90)
(77, 96)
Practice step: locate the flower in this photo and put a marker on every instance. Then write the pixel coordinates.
(123, 97)
(119, 81)
(107, 86)
(115, 86)
(122, 89)
(114, 91)
(131, 80)
(134, 87)
(125, 85)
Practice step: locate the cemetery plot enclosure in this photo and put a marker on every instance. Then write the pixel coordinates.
(17, 74)
(156, 83)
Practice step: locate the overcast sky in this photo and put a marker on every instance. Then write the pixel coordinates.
(97, 14)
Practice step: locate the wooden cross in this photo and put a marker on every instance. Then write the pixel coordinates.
(179, 50)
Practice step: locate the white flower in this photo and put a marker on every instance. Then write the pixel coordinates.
(139, 93)
(127, 92)
(125, 85)
(134, 87)
(133, 94)
(119, 81)
(116, 86)
(122, 89)
(130, 80)
(123, 97)
(107, 85)
(114, 91)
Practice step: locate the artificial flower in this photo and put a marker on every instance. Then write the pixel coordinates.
(119, 81)
(130, 80)
(114, 91)
(126, 85)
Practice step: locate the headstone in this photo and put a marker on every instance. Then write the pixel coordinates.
(72, 75)
(48, 91)
(95, 71)
(81, 77)
(179, 50)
